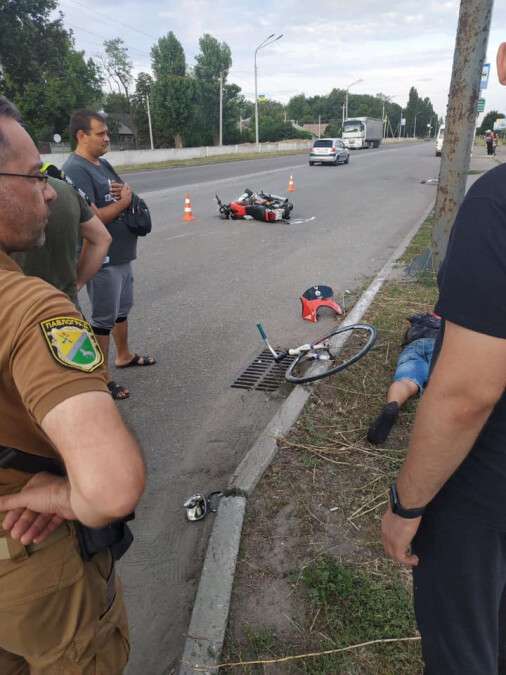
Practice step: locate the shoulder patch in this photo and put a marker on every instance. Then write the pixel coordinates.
(72, 343)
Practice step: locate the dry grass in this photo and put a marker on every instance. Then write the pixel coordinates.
(325, 493)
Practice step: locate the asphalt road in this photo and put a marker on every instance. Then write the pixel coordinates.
(200, 289)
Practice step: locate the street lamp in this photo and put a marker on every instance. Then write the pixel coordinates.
(268, 41)
(347, 89)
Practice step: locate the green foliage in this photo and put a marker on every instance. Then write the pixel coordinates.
(167, 57)
(419, 113)
(143, 87)
(488, 121)
(358, 607)
(213, 60)
(172, 108)
(41, 71)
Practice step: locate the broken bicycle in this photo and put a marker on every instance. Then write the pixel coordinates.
(329, 350)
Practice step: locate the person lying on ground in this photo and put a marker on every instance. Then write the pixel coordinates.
(411, 374)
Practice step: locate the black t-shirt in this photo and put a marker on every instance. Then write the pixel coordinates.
(472, 294)
(95, 179)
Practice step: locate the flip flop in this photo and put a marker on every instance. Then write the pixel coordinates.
(139, 361)
(118, 392)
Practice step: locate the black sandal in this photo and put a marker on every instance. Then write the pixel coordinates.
(137, 361)
(118, 392)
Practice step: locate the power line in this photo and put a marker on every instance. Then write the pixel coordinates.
(114, 21)
(103, 37)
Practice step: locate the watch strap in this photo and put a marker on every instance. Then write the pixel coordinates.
(399, 510)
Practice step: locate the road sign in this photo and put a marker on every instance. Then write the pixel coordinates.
(403, 122)
(484, 75)
(481, 105)
(500, 124)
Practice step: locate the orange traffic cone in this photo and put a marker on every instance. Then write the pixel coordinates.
(187, 211)
(291, 185)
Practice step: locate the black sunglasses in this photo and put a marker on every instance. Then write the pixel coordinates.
(37, 176)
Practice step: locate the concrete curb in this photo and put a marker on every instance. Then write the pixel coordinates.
(212, 603)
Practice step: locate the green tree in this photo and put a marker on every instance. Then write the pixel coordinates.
(39, 68)
(173, 92)
(488, 121)
(167, 57)
(212, 62)
(118, 66)
(143, 89)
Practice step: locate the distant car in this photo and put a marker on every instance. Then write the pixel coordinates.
(329, 151)
(439, 140)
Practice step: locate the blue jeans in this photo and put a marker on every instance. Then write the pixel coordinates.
(414, 362)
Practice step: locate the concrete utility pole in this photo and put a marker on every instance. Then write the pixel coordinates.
(268, 41)
(221, 108)
(469, 56)
(149, 123)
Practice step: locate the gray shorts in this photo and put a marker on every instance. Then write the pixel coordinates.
(111, 293)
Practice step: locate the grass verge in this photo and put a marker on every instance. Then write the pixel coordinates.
(202, 161)
(311, 576)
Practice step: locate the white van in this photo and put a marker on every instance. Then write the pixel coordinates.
(439, 140)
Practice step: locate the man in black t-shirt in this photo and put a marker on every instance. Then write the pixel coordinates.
(447, 514)
(111, 289)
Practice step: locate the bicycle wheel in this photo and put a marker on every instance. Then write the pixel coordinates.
(330, 349)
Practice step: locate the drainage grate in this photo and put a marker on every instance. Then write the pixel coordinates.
(263, 374)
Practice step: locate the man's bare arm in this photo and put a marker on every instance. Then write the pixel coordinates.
(95, 246)
(104, 464)
(109, 213)
(468, 379)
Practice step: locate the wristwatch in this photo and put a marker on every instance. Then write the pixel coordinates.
(399, 510)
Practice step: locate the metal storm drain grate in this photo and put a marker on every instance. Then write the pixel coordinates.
(263, 374)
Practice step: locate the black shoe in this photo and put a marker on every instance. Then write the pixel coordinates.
(380, 428)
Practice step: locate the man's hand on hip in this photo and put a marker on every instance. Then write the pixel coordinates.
(397, 534)
(41, 506)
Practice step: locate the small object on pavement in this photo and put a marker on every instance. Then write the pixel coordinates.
(196, 507)
(316, 297)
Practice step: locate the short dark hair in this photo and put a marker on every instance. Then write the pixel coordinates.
(81, 121)
(9, 110)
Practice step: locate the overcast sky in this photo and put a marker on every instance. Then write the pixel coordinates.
(328, 43)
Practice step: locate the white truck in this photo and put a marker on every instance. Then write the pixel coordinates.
(362, 132)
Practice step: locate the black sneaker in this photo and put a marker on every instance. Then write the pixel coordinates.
(380, 428)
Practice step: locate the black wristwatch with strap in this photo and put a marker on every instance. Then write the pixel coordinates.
(399, 510)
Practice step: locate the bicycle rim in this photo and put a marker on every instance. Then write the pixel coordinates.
(353, 358)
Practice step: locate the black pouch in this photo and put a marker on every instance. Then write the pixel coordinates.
(117, 537)
(138, 217)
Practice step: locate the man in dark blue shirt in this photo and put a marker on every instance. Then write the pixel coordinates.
(447, 515)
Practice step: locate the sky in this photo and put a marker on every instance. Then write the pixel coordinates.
(390, 46)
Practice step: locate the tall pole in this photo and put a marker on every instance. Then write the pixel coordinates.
(414, 126)
(268, 41)
(256, 99)
(149, 123)
(470, 51)
(221, 108)
(347, 90)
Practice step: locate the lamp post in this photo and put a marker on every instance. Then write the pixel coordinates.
(268, 41)
(347, 89)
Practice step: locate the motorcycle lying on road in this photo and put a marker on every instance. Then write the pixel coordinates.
(256, 206)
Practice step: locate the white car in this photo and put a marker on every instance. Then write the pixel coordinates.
(439, 140)
(329, 151)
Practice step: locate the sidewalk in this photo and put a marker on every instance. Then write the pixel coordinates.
(311, 583)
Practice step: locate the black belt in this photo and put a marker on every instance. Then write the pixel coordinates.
(12, 458)
(116, 536)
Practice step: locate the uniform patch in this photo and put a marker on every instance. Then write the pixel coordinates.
(72, 343)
